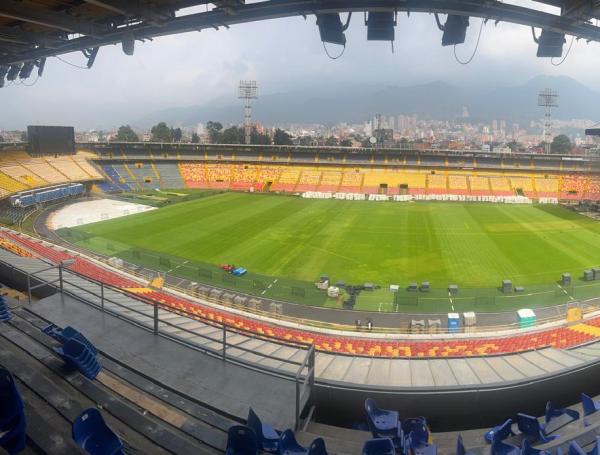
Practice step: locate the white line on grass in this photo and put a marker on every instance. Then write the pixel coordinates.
(565, 291)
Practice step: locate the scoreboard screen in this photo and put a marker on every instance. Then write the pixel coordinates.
(51, 140)
(592, 132)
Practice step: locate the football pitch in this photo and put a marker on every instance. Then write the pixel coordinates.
(287, 243)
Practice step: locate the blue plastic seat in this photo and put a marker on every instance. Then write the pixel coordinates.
(92, 434)
(501, 448)
(266, 436)
(63, 335)
(79, 356)
(526, 449)
(503, 430)
(5, 315)
(460, 447)
(379, 446)
(13, 423)
(241, 440)
(589, 405)
(382, 423)
(289, 446)
(532, 428)
(417, 446)
(417, 428)
(554, 413)
(317, 447)
(575, 449)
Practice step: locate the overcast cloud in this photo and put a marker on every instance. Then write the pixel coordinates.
(282, 55)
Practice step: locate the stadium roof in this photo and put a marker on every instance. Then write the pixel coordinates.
(32, 30)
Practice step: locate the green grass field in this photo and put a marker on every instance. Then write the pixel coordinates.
(294, 241)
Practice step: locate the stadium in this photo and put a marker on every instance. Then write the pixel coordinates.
(243, 299)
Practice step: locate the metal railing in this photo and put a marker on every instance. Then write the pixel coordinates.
(304, 376)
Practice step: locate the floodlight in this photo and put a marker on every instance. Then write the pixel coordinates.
(67, 262)
(129, 44)
(26, 70)
(455, 30)
(41, 64)
(550, 44)
(331, 28)
(13, 72)
(380, 26)
(3, 71)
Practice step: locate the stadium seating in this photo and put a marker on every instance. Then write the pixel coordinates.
(351, 182)
(457, 184)
(145, 175)
(13, 422)
(547, 187)
(266, 437)
(480, 185)
(289, 446)
(92, 434)
(330, 181)
(241, 440)
(309, 180)
(287, 180)
(500, 186)
(382, 423)
(378, 446)
(68, 167)
(437, 184)
(169, 175)
(80, 356)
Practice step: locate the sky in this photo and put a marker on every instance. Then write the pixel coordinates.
(282, 55)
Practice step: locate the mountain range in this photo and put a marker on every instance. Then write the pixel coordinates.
(435, 100)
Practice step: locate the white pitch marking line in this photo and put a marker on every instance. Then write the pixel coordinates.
(565, 291)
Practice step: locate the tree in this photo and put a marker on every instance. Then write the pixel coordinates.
(23, 136)
(281, 137)
(331, 141)
(306, 140)
(195, 138)
(1, 139)
(126, 134)
(561, 145)
(346, 143)
(259, 138)
(176, 134)
(233, 135)
(214, 131)
(161, 133)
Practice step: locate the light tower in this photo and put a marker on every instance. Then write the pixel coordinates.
(548, 99)
(248, 91)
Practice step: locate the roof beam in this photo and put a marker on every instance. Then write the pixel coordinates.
(263, 10)
(133, 8)
(57, 20)
(19, 36)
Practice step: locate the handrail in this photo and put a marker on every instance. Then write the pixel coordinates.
(304, 381)
(155, 316)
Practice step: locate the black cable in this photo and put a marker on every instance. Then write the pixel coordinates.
(476, 47)
(329, 55)
(566, 55)
(71, 64)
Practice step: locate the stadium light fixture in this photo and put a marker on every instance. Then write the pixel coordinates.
(26, 69)
(129, 44)
(13, 72)
(3, 71)
(380, 26)
(455, 29)
(550, 44)
(41, 64)
(331, 28)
